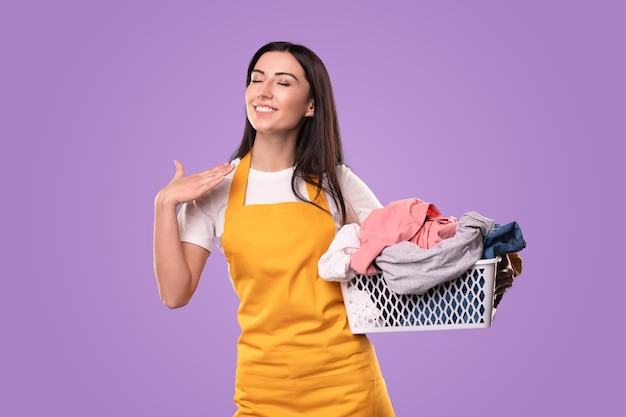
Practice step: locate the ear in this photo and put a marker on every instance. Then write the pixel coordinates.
(311, 110)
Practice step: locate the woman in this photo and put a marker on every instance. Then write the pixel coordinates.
(273, 212)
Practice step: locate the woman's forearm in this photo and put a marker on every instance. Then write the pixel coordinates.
(175, 280)
(178, 265)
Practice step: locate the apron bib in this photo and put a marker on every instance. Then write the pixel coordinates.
(296, 354)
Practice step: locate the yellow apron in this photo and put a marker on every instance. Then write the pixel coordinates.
(295, 355)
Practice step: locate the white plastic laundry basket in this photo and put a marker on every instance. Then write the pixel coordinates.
(462, 303)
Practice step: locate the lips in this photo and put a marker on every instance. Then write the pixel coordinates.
(264, 109)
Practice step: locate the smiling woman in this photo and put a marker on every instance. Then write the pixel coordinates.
(274, 211)
(278, 98)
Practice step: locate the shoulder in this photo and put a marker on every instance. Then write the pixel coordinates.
(359, 198)
(349, 181)
(346, 175)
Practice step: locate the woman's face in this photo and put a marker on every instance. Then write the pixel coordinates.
(278, 97)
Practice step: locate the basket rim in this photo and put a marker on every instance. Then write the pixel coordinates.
(488, 261)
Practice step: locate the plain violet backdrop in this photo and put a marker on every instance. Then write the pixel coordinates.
(514, 109)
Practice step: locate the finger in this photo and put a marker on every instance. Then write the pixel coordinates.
(180, 170)
(228, 168)
(221, 169)
(207, 186)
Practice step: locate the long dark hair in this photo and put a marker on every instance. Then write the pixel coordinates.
(318, 147)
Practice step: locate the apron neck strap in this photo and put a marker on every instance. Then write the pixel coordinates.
(239, 185)
(237, 195)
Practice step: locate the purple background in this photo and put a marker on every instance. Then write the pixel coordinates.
(506, 108)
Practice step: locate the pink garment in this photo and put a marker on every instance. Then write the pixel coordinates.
(411, 219)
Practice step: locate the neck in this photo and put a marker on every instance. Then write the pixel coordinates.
(271, 153)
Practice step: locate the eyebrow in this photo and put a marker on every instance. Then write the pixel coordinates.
(277, 73)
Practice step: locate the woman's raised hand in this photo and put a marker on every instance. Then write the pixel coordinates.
(182, 189)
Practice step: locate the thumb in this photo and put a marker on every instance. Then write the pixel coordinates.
(180, 171)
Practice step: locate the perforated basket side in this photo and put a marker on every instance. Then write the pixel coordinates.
(462, 303)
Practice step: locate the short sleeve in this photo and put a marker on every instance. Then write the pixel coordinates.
(201, 221)
(196, 226)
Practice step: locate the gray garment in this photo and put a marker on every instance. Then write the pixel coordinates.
(410, 269)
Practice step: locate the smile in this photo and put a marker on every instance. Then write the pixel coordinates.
(264, 109)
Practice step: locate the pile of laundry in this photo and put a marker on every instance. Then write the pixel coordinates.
(416, 248)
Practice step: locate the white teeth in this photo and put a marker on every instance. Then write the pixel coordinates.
(265, 109)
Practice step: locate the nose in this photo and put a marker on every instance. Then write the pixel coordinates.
(264, 91)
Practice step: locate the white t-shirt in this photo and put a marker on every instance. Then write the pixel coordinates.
(201, 222)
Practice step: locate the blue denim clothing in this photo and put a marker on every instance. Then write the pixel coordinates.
(503, 239)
